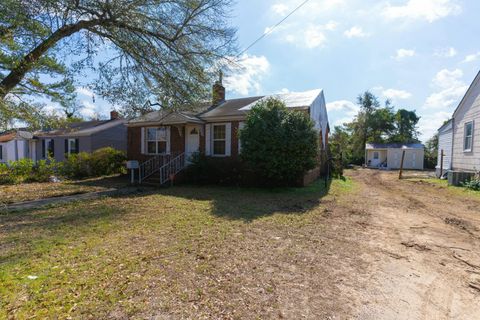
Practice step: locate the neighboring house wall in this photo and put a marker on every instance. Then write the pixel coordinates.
(115, 137)
(8, 151)
(445, 141)
(15, 150)
(468, 111)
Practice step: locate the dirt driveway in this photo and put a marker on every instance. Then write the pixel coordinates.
(421, 244)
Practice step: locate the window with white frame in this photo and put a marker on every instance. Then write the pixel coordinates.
(72, 146)
(48, 148)
(219, 140)
(376, 155)
(156, 140)
(468, 137)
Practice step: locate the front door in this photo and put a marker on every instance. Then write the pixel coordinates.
(192, 140)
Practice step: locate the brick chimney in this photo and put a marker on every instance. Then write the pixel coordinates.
(218, 91)
(114, 115)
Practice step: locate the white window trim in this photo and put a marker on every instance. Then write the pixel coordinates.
(377, 154)
(69, 152)
(471, 137)
(228, 139)
(224, 140)
(145, 141)
(47, 142)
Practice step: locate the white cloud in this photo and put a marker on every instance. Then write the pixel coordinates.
(331, 25)
(314, 37)
(342, 111)
(472, 57)
(85, 92)
(283, 91)
(395, 94)
(280, 9)
(429, 10)
(88, 110)
(446, 52)
(245, 77)
(404, 53)
(450, 89)
(430, 123)
(355, 32)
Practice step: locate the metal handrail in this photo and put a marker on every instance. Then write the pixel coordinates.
(173, 167)
(151, 166)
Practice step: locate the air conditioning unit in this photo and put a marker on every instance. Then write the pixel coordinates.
(456, 178)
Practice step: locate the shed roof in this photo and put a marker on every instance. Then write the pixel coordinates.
(394, 146)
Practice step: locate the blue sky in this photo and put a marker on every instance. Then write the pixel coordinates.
(421, 54)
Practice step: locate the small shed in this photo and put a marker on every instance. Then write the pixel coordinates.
(389, 155)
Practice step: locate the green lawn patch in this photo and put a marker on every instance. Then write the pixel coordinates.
(108, 257)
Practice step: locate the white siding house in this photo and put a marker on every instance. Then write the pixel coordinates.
(445, 145)
(389, 155)
(466, 131)
(16, 145)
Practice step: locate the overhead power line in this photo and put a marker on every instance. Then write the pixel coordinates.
(273, 28)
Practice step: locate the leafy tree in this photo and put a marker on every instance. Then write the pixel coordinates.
(431, 152)
(137, 49)
(405, 127)
(280, 145)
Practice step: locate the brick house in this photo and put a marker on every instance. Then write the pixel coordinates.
(211, 128)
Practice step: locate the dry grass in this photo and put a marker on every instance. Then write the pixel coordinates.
(34, 191)
(185, 252)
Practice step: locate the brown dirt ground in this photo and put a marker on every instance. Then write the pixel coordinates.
(420, 244)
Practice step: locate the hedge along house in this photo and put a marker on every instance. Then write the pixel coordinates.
(85, 136)
(165, 140)
(389, 156)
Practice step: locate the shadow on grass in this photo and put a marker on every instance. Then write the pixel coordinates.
(248, 204)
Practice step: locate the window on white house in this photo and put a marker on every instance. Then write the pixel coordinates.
(376, 155)
(468, 137)
(157, 140)
(219, 140)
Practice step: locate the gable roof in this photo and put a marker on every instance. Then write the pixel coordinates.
(475, 81)
(394, 146)
(446, 126)
(15, 134)
(84, 128)
(233, 108)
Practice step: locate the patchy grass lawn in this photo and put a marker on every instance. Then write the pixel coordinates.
(459, 191)
(34, 191)
(197, 252)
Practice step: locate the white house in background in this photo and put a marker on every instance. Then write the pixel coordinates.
(445, 145)
(16, 145)
(389, 155)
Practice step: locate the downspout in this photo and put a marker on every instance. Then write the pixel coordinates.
(451, 149)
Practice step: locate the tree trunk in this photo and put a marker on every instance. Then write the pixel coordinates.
(26, 64)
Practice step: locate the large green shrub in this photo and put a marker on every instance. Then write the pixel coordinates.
(107, 161)
(279, 144)
(473, 184)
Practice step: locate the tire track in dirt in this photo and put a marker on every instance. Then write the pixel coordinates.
(422, 273)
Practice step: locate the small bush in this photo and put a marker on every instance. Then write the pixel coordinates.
(107, 161)
(76, 166)
(210, 170)
(43, 170)
(472, 184)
